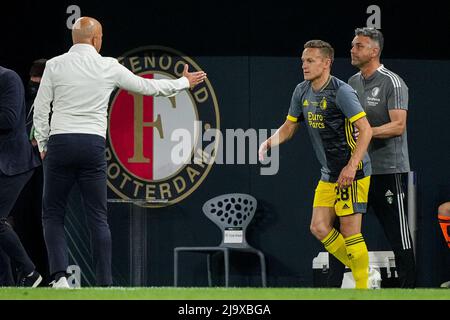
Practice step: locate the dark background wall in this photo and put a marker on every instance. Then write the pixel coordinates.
(250, 51)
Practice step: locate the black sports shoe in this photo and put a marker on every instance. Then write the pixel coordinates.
(32, 280)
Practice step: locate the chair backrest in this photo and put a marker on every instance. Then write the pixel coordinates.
(232, 213)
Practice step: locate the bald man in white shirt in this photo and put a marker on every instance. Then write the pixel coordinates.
(78, 84)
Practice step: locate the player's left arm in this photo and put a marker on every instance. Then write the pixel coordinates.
(394, 128)
(348, 173)
(347, 101)
(397, 103)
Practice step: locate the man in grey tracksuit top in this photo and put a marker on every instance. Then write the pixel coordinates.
(384, 97)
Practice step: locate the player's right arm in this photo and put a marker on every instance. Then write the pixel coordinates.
(42, 109)
(283, 134)
(289, 127)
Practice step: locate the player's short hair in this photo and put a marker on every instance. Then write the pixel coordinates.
(373, 33)
(37, 68)
(325, 48)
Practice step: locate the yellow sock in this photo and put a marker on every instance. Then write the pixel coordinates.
(359, 259)
(334, 243)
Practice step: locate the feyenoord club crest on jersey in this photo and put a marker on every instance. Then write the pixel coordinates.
(147, 134)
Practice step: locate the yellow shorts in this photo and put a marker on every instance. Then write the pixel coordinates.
(352, 199)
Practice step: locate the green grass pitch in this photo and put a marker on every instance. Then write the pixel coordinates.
(169, 293)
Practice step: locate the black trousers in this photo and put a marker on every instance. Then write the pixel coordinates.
(6, 273)
(70, 159)
(388, 200)
(10, 245)
(27, 221)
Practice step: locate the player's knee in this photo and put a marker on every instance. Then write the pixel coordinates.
(444, 209)
(319, 229)
(349, 231)
(349, 227)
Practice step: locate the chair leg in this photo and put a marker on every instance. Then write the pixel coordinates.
(263, 269)
(208, 266)
(226, 259)
(175, 268)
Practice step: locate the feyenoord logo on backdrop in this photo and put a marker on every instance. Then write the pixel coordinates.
(143, 132)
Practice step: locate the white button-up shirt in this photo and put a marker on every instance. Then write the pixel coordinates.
(79, 84)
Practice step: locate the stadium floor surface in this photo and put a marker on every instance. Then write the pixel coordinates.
(167, 293)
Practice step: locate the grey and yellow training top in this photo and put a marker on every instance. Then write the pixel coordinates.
(329, 115)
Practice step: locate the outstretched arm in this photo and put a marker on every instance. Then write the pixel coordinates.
(194, 78)
(127, 80)
(283, 134)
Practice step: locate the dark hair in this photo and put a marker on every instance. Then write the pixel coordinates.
(373, 34)
(37, 68)
(325, 48)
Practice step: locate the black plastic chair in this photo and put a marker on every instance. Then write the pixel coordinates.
(232, 213)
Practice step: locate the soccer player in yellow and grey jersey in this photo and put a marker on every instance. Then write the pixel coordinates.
(331, 111)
